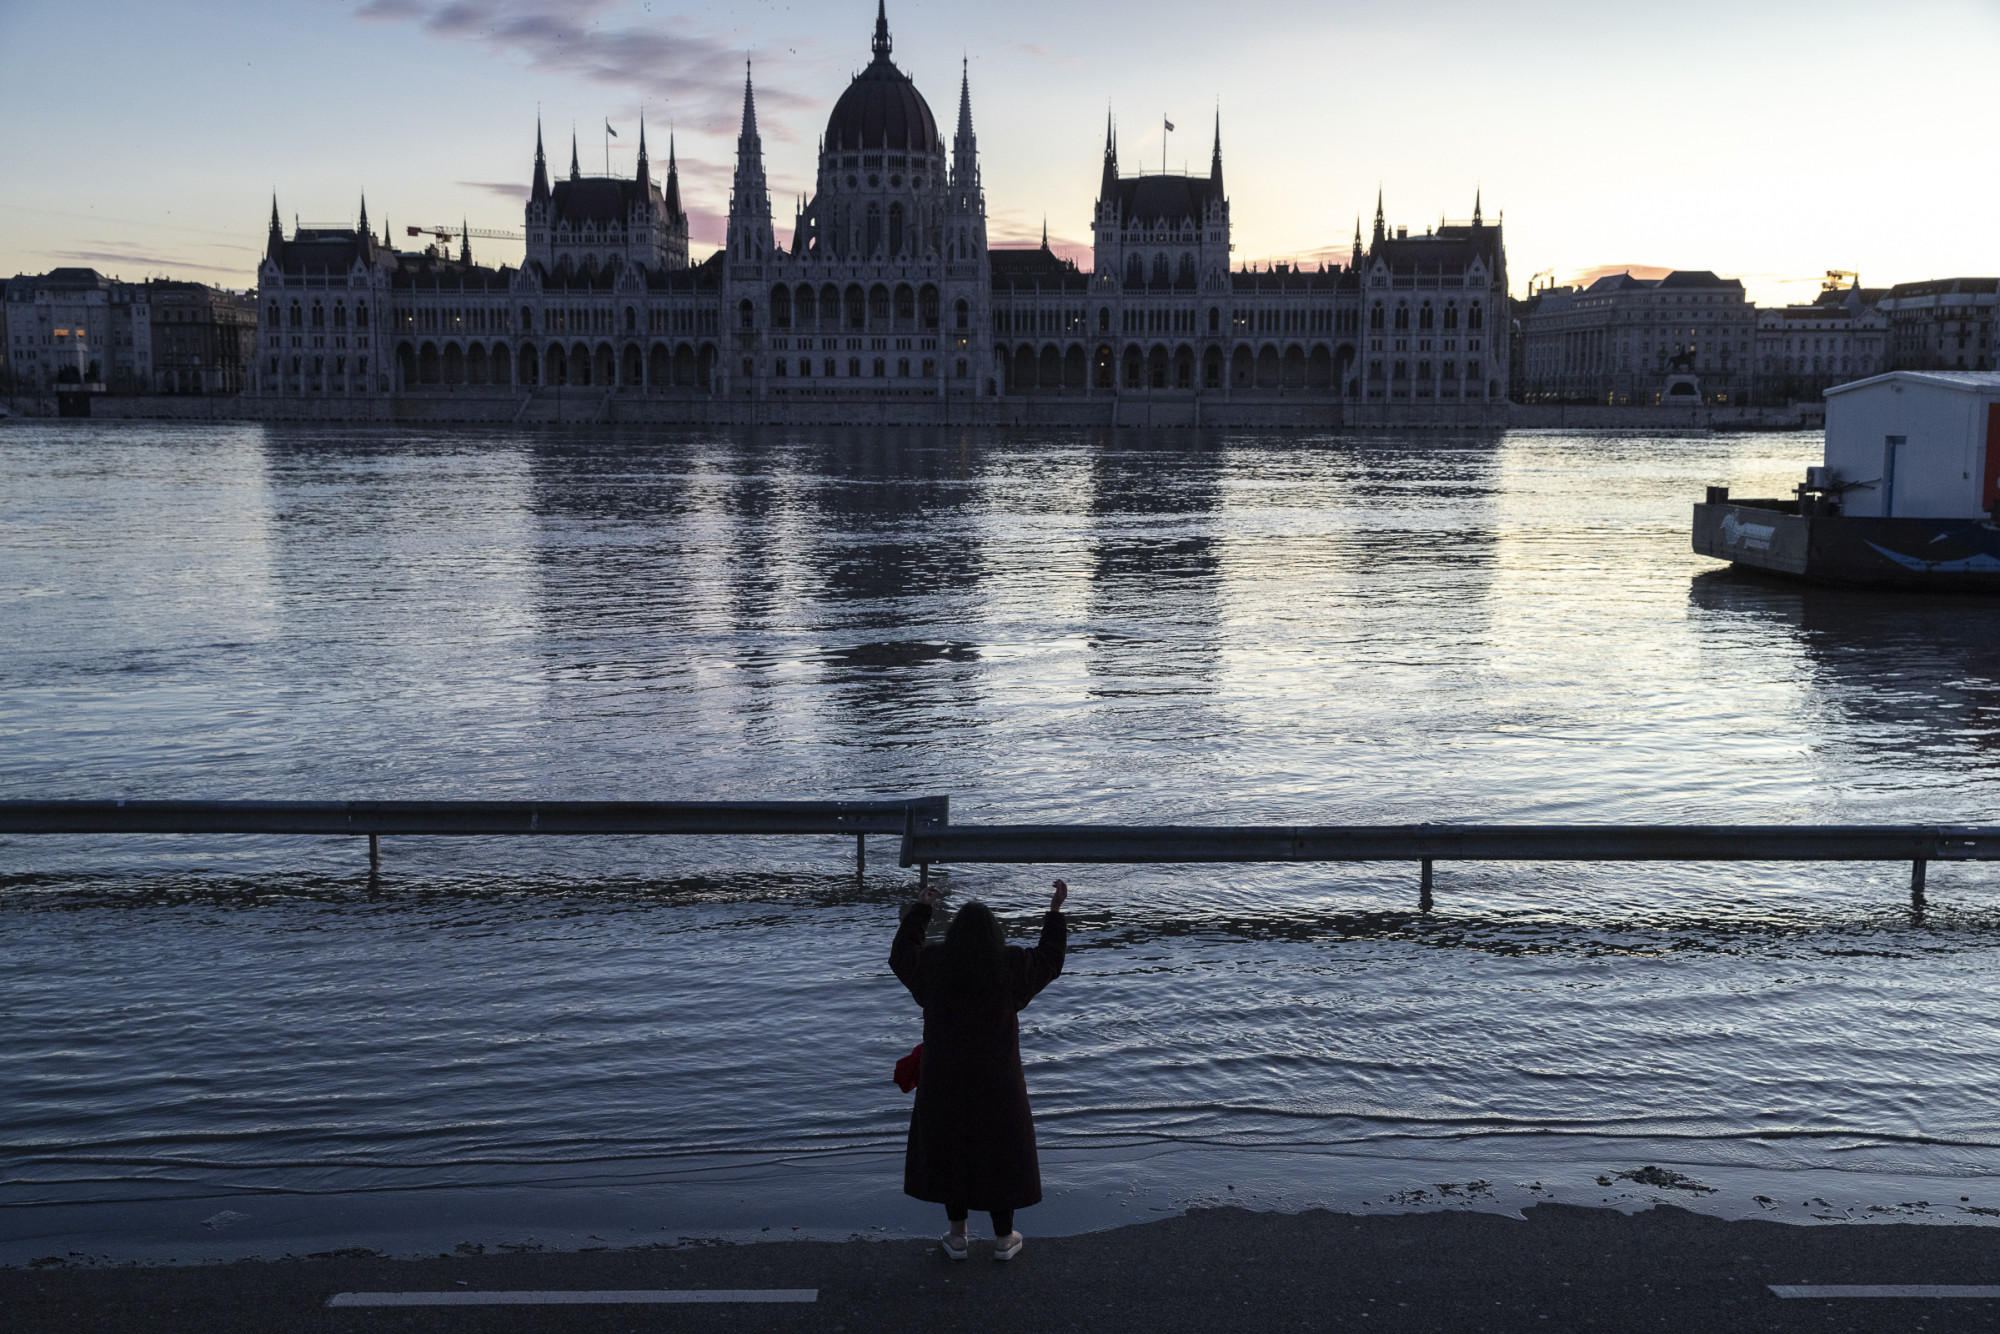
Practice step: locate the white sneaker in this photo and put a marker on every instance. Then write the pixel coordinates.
(955, 1245)
(1007, 1247)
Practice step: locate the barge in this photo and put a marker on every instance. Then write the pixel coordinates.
(1908, 495)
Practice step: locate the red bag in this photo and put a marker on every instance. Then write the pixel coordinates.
(910, 1068)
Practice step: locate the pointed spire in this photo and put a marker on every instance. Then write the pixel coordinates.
(1355, 261)
(749, 232)
(364, 213)
(673, 180)
(1215, 159)
(749, 134)
(965, 145)
(1107, 189)
(1045, 231)
(464, 242)
(965, 97)
(1475, 208)
(575, 171)
(1381, 228)
(541, 190)
(881, 45)
(276, 241)
(645, 172)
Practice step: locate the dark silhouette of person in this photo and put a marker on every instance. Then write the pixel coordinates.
(972, 1137)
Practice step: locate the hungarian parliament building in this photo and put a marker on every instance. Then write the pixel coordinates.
(887, 306)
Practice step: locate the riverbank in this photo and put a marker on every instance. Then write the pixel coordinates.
(1555, 1267)
(584, 407)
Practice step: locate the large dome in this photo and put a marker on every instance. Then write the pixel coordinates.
(882, 109)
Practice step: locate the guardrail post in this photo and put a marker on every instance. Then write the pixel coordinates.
(860, 856)
(1917, 886)
(374, 855)
(1424, 888)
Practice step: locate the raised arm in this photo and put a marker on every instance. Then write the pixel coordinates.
(909, 945)
(1044, 963)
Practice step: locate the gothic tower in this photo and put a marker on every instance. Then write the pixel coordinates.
(750, 240)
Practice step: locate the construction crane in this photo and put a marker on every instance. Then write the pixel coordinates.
(1832, 283)
(448, 234)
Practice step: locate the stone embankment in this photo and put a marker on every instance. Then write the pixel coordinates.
(1559, 1268)
(587, 407)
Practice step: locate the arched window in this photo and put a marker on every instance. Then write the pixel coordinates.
(319, 316)
(340, 315)
(1214, 321)
(874, 229)
(1426, 317)
(906, 306)
(964, 314)
(1451, 315)
(1186, 276)
(878, 304)
(1160, 271)
(895, 229)
(631, 320)
(806, 312)
(1402, 314)
(1375, 316)
(1104, 319)
(746, 313)
(1135, 271)
(527, 319)
(781, 307)
(1476, 317)
(927, 304)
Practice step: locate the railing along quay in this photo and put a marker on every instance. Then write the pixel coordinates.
(1074, 845)
(901, 815)
(924, 824)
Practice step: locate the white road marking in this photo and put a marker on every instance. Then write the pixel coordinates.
(607, 1297)
(1886, 1290)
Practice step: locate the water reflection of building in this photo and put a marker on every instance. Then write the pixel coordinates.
(1915, 678)
(1155, 603)
(886, 305)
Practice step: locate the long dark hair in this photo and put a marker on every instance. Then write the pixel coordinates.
(975, 950)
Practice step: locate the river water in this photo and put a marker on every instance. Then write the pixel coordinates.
(223, 1046)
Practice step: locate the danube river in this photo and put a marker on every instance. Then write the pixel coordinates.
(219, 1046)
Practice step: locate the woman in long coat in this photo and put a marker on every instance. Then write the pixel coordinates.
(972, 1137)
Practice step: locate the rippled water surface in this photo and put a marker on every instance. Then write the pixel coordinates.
(689, 1036)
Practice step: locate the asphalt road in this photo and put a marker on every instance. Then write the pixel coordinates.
(1564, 1268)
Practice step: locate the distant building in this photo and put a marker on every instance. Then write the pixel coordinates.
(1943, 324)
(886, 297)
(78, 327)
(1686, 338)
(203, 337)
(1802, 351)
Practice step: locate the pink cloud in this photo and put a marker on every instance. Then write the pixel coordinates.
(512, 190)
(1586, 277)
(670, 64)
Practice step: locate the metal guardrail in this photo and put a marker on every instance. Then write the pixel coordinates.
(901, 815)
(1426, 844)
(924, 824)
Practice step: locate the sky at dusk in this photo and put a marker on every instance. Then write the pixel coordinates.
(1771, 140)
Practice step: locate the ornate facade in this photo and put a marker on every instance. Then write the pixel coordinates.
(886, 299)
